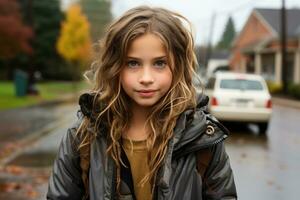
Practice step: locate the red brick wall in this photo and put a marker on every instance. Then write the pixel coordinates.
(253, 31)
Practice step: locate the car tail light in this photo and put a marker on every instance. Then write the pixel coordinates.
(269, 104)
(214, 101)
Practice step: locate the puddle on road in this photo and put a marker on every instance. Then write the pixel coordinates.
(39, 159)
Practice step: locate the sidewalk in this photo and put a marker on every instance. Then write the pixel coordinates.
(286, 102)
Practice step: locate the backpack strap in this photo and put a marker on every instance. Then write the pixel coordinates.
(203, 160)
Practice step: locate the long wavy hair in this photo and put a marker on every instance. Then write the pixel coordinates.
(172, 29)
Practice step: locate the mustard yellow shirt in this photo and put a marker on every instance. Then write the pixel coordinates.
(136, 152)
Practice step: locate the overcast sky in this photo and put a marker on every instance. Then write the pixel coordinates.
(200, 12)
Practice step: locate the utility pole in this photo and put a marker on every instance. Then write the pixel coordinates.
(209, 46)
(284, 66)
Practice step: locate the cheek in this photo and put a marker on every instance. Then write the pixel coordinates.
(167, 80)
(125, 79)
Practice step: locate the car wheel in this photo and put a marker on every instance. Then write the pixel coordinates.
(263, 127)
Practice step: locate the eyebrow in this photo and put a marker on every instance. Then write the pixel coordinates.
(157, 58)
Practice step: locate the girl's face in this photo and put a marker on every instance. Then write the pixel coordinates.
(146, 76)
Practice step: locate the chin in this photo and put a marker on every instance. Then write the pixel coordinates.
(146, 103)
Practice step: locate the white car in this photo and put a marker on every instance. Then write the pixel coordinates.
(240, 97)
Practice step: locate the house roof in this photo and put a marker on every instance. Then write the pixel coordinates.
(273, 18)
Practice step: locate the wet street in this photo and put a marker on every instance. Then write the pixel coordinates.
(265, 166)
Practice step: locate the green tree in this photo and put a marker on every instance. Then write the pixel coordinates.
(99, 15)
(228, 35)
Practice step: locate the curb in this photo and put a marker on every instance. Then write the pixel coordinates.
(31, 139)
(286, 102)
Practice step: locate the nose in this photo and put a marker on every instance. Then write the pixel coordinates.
(146, 76)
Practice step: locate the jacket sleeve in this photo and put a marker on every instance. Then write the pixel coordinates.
(218, 181)
(65, 181)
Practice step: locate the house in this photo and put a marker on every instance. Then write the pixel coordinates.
(257, 48)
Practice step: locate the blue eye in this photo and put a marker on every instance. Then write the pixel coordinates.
(132, 64)
(160, 63)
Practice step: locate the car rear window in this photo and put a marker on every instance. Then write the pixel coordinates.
(241, 84)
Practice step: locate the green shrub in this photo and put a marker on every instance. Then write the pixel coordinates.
(294, 90)
(274, 87)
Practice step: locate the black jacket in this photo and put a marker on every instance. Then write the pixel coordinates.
(177, 178)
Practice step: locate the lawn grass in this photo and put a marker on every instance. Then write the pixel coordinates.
(48, 91)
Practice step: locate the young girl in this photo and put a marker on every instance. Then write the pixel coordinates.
(143, 132)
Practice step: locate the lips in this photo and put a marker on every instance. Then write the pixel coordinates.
(146, 93)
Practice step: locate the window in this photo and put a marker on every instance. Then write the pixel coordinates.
(240, 84)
